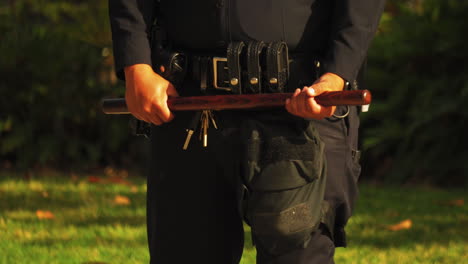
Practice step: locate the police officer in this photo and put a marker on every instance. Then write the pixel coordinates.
(289, 173)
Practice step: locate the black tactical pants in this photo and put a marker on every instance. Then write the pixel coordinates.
(193, 201)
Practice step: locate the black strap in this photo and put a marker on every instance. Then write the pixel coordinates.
(277, 67)
(254, 68)
(204, 65)
(234, 52)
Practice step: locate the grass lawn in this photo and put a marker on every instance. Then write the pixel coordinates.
(91, 220)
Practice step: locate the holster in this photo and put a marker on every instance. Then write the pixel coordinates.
(172, 66)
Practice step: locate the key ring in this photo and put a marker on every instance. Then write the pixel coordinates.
(344, 115)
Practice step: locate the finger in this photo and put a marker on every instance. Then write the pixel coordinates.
(164, 113)
(311, 106)
(293, 102)
(314, 109)
(305, 102)
(155, 120)
(146, 115)
(328, 111)
(311, 91)
(301, 102)
(317, 88)
(137, 114)
(161, 110)
(286, 104)
(325, 111)
(139, 117)
(297, 92)
(150, 115)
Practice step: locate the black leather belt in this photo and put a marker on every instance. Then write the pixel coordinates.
(211, 72)
(255, 67)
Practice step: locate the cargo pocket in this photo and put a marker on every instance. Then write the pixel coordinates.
(284, 171)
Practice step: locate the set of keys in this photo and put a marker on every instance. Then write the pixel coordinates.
(204, 118)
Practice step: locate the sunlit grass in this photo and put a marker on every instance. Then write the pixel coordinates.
(438, 233)
(88, 226)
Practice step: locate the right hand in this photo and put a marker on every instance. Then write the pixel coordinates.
(146, 94)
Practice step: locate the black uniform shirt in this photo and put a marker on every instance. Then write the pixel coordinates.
(338, 31)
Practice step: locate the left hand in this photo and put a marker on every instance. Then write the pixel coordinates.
(303, 103)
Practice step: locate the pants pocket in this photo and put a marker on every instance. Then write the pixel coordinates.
(285, 172)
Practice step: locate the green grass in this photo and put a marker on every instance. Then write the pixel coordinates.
(89, 227)
(439, 231)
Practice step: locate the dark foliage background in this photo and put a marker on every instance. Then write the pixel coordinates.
(56, 65)
(417, 129)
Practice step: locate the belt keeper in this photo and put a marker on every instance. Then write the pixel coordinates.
(254, 69)
(234, 53)
(277, 67)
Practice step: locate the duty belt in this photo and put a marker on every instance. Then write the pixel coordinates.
(255, 67)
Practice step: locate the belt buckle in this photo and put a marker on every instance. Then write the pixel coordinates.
(220, 69)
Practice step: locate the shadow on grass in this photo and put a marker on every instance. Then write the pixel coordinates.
(132, 221)
(104, 220)
(98, 241)
(34, 201)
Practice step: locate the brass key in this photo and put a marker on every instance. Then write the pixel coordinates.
(187, 139)
(205, 131)
(204, 127)
(211, 116)
(206, 118)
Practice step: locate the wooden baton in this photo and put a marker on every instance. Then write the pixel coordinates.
(244, 101)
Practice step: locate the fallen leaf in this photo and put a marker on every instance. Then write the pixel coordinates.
(44, 214)
(74, 177)
(134, 189)
(110, 172)
(406, 224)
(109, 179)
(94, 179)
(45, 194)
(121, 200)
(457, 202)
(119, 180)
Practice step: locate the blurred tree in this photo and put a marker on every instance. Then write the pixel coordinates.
(416, 130)
(55, 67)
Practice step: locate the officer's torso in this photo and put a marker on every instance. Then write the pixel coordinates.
(211, 24)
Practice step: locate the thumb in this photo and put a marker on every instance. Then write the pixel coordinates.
(311, 92)
(171, 91)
